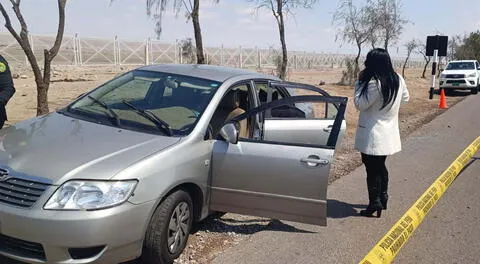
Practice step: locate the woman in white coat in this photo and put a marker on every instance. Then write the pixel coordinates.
(379, 92)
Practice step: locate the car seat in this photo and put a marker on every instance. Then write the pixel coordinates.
(229, 108)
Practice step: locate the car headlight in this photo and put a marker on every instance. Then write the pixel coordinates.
(90, 195)
(472, 75)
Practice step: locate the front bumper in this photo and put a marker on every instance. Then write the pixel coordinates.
(111, 235)
(464, 83)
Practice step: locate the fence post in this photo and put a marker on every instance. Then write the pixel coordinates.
(175, 48)
(313, 61)
(119, 58)
(258, 57)
(221, 56)
(181, 54)
(150, 51)
(295, 62)
(115, 59)
(241, 58)
(147, 51)
(80, 51)
(75, 54)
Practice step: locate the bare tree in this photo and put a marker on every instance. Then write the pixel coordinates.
(374, 39)
(372, 16)
(411, 46)
(280, 8)
(355, 27)
(387, 13)
(422, 49)
(42, 80)
(157, 8)
(187, 50)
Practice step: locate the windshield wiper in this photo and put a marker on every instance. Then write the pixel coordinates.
(152, 117)
(104, 105)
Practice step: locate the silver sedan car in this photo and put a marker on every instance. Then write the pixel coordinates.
(122, 172)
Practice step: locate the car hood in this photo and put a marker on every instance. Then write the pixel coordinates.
(466, 72)
(58, 148)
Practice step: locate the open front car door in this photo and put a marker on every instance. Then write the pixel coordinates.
(281, 173)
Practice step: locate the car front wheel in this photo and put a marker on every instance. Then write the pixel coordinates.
(168, 230)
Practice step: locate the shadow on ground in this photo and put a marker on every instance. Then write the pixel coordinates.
(339, 209)
(243, 227)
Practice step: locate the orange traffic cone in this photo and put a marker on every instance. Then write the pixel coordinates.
(443, 100)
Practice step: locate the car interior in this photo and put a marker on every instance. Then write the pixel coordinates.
(233, 104)
(284, 111)
(162, 96)
(177, 103)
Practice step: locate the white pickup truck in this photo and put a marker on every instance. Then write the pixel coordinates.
(461, 74)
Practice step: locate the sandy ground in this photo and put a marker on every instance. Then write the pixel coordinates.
(213, 235)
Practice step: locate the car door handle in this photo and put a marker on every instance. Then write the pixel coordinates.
(328, 129)
(313, 162)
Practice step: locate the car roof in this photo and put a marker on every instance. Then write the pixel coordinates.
(210, 72)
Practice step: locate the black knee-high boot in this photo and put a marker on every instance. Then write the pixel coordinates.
(374, 185)
(384, 195)
(384, 185)
(374, 204)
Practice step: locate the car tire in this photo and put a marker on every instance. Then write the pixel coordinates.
(163, 244)
(474, 90)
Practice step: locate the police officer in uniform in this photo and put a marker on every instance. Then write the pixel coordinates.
(6, 89)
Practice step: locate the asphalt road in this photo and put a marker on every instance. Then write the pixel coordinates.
(450, 233)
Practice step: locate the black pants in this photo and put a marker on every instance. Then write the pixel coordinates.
(377, 176)
(3, 115)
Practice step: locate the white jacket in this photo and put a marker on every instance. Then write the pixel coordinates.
(377, 130)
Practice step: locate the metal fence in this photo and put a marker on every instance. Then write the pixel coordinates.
(80, 51)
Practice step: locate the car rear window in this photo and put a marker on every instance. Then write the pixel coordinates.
(461, 66)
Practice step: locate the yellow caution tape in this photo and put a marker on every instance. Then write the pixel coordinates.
(387, 248)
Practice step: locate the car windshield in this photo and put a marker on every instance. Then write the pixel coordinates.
(148, 101)
(461, 66)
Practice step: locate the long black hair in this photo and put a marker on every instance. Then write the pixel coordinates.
(379, 67)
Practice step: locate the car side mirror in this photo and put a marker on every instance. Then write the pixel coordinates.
(230, 133)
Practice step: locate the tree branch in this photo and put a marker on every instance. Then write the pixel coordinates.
(189, 11)
(8, 24)
(50, 54)
(191, 6)
(22, 39)
(61, 28)
(23, 24)
(272, 7)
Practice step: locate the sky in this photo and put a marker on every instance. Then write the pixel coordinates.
(232, 23)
